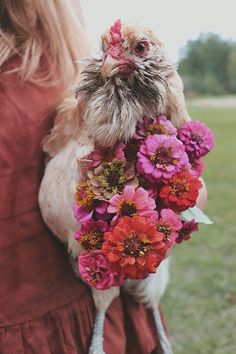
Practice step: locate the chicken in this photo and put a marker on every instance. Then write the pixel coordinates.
(131, 79)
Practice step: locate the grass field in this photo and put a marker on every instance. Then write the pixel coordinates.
(200, 304)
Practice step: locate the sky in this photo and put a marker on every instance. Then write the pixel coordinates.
(173, 21)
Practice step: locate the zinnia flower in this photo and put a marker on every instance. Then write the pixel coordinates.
(96, 272)
(197, 138)
(157, 125)
(197, 165)
(161, 156)
(188, 227)
(180, 192)
(110, 178)
(90, 236)
(168, 224)
(151, 188)
(86, 204)
(100, 155)
(132, 202)
(133, 247)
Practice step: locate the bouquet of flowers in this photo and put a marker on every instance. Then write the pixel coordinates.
(138, 200)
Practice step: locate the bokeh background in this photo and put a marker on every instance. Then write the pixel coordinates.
(200, 303)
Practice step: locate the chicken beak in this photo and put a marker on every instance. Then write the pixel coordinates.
(110, 67)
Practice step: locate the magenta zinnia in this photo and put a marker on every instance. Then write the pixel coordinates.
(197, 138)
(96, 271)
(188, 227)
(157, 125)
(162, 156)
(90, 236)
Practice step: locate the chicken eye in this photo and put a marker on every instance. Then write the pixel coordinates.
(141, 48)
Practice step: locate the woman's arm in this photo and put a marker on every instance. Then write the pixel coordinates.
(202, 198)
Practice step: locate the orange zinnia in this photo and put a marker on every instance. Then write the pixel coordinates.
(133, 247)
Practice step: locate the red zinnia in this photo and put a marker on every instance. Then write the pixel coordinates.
(133, 247)
(181, 191)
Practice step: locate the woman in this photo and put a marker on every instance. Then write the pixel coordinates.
(44, 308)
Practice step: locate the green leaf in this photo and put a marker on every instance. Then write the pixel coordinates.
(196, 214)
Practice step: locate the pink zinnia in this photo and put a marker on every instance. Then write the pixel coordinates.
(161, 156)
(197, 138)
(96, 271)
(84, 214)
(169, 224)
(100, 155)
(132, 202)
(197, 165)
(157, 125)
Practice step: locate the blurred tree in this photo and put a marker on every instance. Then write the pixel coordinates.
(232, 70)
(208, 65)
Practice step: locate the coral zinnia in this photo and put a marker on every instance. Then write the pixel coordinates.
(95, 270)
(132, 202)
(90, 236)
(157, 125)
(111, 177)
(162, 156)
(197, 138)
(133, 247)
(181, 191)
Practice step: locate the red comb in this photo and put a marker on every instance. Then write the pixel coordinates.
(115, 45)
(115, 32)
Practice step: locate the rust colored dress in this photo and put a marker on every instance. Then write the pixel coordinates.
(44, 308)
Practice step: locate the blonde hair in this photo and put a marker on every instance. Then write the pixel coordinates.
(31, 28)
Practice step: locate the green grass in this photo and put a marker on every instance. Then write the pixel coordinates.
(200, 303)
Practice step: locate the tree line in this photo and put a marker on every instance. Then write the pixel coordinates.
(208, 66)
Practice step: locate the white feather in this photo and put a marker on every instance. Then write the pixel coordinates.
(150, 290)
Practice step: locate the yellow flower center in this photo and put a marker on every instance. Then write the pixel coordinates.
(163, 156)
(84, 196)
(156, 129)
(136, 245)
(179, 187)
(165, 229)
(91, 240)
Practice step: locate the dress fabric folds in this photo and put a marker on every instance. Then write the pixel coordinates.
(44, 308)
